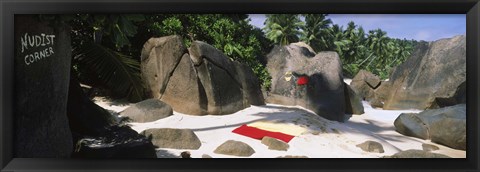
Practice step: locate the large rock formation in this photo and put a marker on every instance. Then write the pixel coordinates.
(219, 78)
(445, 126)
(202, 81)
(369, 87)
(364, 84)
(323, 92)
(434, 76)
(159, 58)
(353, 102)
(42, 70)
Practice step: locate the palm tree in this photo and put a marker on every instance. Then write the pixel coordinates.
(340, 43)
(351, 34)
(283, 29)
(315, 31)
(94, 55)
(377, 42)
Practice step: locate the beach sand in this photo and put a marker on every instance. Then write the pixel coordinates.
(322, 138)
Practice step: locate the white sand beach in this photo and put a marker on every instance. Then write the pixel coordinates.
(322, 138)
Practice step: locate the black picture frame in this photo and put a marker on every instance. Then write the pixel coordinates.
(9, 8)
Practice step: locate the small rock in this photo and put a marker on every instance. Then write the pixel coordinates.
(429, 147)
(416, 154)
(206, 156)
(275, 144)
(235, 148)
(147, 111)
(185, 154)
(173, 138)
(371, 146)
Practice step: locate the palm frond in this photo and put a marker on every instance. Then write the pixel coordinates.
(118, 72)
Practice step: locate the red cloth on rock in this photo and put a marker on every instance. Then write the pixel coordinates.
(257, 133)
(302, 80)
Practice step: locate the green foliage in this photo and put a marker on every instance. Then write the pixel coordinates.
(374, 52)
(283, 29)
(117, 71)
(315, 31)
(98, 61)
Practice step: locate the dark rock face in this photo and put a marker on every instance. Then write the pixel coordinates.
(432, 77)
(371, 146)
(200, 82)
(446, 126)
(275, 144)
(159, 59)
(220, 78)
(185, 92)
(42, 71)
(173, 138)
(118, 142)
(416, 154)
(353, 103)
(323, 93)
(235, 148)
(410, 124)
(147, 111)
(224, 94)
(250, 84)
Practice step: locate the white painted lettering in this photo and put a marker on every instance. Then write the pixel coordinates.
(42, 54)
(51, 37)
(43, 39)
(38, 40)
(26, 62)
(24, 42)
(31, 58)
(36, 56)
(51, 50)
(32, 41)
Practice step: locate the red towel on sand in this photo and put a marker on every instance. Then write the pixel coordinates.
(259, 133)
(302, 80)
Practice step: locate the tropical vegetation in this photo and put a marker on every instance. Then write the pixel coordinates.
(106, 48)
(373, 51)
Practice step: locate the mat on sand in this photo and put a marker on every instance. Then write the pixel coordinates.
(257, 133)
(286, 128)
